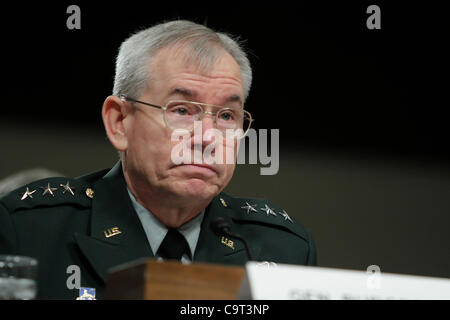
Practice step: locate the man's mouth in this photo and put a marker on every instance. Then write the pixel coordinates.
(198, 168)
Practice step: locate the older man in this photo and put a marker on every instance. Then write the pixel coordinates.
(173, 76)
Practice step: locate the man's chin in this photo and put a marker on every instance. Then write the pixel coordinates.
(199, 189)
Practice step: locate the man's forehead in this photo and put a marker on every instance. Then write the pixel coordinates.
(179, 59)
(186, 76)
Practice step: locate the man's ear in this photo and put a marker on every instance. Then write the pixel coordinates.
(114, 112)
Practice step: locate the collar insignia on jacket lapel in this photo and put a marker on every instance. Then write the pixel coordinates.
(227, 242)
(111, 232)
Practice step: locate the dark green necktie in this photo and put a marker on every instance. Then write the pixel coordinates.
(173, 246)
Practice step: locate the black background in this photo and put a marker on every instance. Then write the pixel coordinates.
(319, 74)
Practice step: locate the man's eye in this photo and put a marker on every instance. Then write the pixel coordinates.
(181, 111)
(227, 116)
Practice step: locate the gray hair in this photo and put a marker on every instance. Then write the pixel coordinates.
(203, 47)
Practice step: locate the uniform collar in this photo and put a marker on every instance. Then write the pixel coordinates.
(155, 230)
(116, 235)
(218, 248)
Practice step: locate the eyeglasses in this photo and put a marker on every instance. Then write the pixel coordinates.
(180, 114)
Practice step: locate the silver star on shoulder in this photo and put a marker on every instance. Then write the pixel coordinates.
(48, 190)
(67, 188)
(285, 216)
(27, 194)
(268, 211)
(249, 207)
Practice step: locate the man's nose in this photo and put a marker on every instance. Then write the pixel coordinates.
(208, 124)
(207, 130)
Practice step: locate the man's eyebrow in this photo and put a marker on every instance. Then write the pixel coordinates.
(184, 92)
(234, 98)
(189, 94)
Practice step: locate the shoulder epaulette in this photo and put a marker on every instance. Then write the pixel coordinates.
(262, 211)
(49, 192)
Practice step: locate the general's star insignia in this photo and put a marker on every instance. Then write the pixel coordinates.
(268, 211)
(249, 207)
(285, 216)
(48, 189)
(27, 194)
(67, 188)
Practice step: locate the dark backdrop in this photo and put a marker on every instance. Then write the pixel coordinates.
(364, 155)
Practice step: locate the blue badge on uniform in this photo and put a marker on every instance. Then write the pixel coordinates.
(86, 294)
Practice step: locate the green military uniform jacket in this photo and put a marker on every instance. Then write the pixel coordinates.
(62, 229)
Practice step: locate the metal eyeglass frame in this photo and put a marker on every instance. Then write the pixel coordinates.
(216, 114)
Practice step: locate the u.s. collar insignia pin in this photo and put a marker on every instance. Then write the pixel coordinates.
(111, 232)
(86, 294)
(227, 242)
